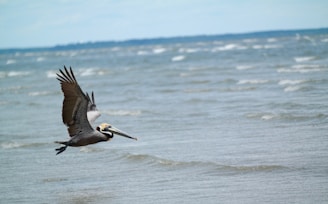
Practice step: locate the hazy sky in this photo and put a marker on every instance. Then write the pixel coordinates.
(35, 23)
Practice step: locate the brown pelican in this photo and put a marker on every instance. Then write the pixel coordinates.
(79, 110)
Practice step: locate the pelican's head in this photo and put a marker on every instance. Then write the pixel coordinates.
(108, 129)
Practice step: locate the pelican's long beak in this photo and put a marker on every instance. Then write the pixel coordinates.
(119, 132)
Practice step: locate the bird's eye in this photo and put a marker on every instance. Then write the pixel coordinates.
(98, 128)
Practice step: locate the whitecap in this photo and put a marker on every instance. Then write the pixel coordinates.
(10, 145)
(290, 82)
(39, 93)
(272, 46)
(11, 61)
(272, 40)
(257, 47)
(17, 73)
(292, 88)
(142, 52)
(51, 74)
(188, 50)
(244, 67)
(122, 112)
(178, 58)
(324, 40)
(87, 72)
(252, 81)
(304, 66)
(159, 50)
(262, 116)
(299, 69)
(268, 117)
(304, 59)
(229, 47)
(40, 59)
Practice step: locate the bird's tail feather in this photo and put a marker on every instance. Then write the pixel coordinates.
(62, 142)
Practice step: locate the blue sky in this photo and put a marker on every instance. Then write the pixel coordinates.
(37, 23)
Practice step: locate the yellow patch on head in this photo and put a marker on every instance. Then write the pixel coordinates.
(104, 125)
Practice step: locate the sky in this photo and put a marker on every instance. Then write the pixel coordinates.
(39, 23)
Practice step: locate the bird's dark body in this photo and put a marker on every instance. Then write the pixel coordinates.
(76, 104)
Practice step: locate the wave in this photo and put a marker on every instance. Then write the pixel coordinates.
(14, 144)
(229, 47)
(292, 88)
(159, 50)
(207, 166)
(188, 50)
(252, 81)
(257, 47)
(301, 68)
(244, 67)
(304, 59)
(11, 61)
(178, 58)
(122, 112)
(286, 116)
(13, 74)
(40, 93)
(51, 74)
(291, 82)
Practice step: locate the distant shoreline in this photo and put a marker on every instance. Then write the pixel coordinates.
(167, 40)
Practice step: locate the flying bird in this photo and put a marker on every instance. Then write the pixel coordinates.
(79, 110)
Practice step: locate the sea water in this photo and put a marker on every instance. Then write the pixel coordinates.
(223, 119)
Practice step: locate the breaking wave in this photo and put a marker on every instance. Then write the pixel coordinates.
(14, 144)
(287, 116)
(207, 166)
(122, 112)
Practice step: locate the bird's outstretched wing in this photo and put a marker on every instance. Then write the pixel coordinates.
(75, 104)
(93, 112)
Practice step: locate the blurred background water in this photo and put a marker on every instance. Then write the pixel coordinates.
(220, 119)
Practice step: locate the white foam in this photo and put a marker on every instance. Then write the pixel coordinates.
(272, 39)
(11, 61)
(122, 112)
(51, 74)
(229, 47)
(299, 69)
(252, 81)
(188, 50)
(88, 72)
(39, 93)
(178, 58)
(268, 117)
(305, 66)
(159, 50)
(266, 46)
(17, 73)
(142, 52)
(244, 67)
(292, 88)
(40, 59)
(324, 40)
(290, 82)
(303, 59)
(11, 145)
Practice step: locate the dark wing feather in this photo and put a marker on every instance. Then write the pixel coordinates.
(75, 104)
(92, 104)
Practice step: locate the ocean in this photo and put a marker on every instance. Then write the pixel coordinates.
(219, 119)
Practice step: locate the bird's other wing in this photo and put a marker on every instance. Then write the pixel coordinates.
(75, 104)
(93, 112)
